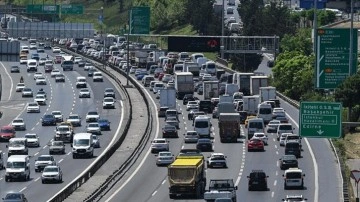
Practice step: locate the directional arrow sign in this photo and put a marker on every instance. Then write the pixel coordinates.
(355, 174)
(320, 119)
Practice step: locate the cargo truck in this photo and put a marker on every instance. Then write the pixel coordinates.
(168, 98)
(243, 81)
(187, 176)
(192, 67)
(141, 58)
(221, 188)
(229, 127)
(256, 82)
(211, 89)
(226, 98)
(267, 93)
(230, 89)
(224, 107)
(250, 104)
(184, 84)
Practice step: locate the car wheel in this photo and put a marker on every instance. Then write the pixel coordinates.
(43, 181)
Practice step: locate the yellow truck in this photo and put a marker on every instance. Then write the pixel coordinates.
(187, 176)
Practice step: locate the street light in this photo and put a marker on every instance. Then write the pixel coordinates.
(222, 28)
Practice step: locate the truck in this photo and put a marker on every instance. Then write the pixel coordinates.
(192, 67)
(226, 98)
(168, 98)
(256, 82)
(184, 84)
(224, 107)
(221, 188)
(230, 89)
(211, 89)
(17, 146)
(187, 176)
(154, 56)
(267, 93)
(250, 104)
(231, 3)
(229, 127)
(141, 58)
(243, 81)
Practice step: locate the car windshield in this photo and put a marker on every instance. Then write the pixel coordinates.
(73, 117)
(92, 113)
(18, 121)
(81, 142)
(30, 136)
(51, 169)
(16, 143)
(57, 143)
(15, 165)
(103, 121)
(285, 127)
(40, 96)
(293, 175)
(218, 157)
(265, 111)
(84, 90)
(108, 100)
(56, 113)
(13, 196)
(159, 141)
(7, 130)
(201, 124)
(204, 141)
(44, 158)
(93, 125)
(48, 116)
(109, 90)
(258, 125)
(63, 129)
(165, 154)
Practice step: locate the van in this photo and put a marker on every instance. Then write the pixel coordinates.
(83, 145)
(292, 147)
(202, 126)
(265, 112)
(201, 61)
(67, 63)
(147, 79)
(195, 56)
(292, 137)
(171, 113)
(293, 178)
(210, 67)
(183, 55)
(284, 128)
(17, 168)
(32, 65)
(17, 146)
(255, 125)
(81, 82)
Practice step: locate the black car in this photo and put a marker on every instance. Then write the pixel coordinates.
(91, 72)
(169, 131)
(205, 106)
(15, 197)
(47, 46)
(15, 69)
(257, 180)
(81, 63)
(204, 144)
(288, 161)
(48, 120)
(187, 98)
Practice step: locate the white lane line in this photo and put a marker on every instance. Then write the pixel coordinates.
(242, 161)
(277, 152)
(36, 153)
(11, 81)
(182, 147)
(272, 194)
(163, 182)
(37, 179)
(60, 160)
(21, 190)
(68, 153)
(275, 182)
(275, 146)
(154, 193)
(1, 178)
(44, 146)
(316, 171)
(276, 173)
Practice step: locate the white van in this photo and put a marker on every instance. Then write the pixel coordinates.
(83, 145)
(293, 137)
(17, 146)
(265, 112)
(31, 65)
(202, 126)
(17, 167)
(81, 82)
(284, 128)
(293, 178)
(255, 125)
(201, 61)
(195, 56)
(210, 67)
(67, 63)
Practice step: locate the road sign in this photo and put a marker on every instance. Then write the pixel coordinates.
(140, 20)
(320, 119)
(72, 9)
(193, 44)
(332, 57)
(42, 9)
(355, 174)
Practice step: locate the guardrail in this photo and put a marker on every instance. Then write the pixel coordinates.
(76, 183)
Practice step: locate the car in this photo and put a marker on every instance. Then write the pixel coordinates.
(294, 198)
(293, 178)
(283, 138)
(84, 93)
(35, 56)
(51, 173)
(272, 126)
(187, 98)
(278, 112)
(257, 181)
(20, 87)
(195, 113)
(48, 68)
(159, 144)
(162, 110)
(56, 50)
(40, 80)
(33, 46)
(109, 92)
(282, 119)
(57, 147)
(247, 120)
(216, 160)
(40, 50)
(55, 72)
(173, 121)
(255, 144)
(42, 161)
(7, 132)
(92, 116)
(261, 136)
(18, 124)
(15, 197)
(93, 128)
(37, 74)
(74, 119)
(81, 63)
(48, 120)
(192, 105)
(42, 61)
(40, 99)
(33, 140)
(169, 131)
(88, 66)
(166, 78)
(58, 116)
(77, 59)
(47, 46)
(109, 103)
(284, 128)
(104, 124)
(15, 69)
(27, 92)
(204, 144)
(91, 72)
(59, 78)
(41, 92)
(191, 137)
(97, 76)
(288, 161)
(164, 158)
(33, 107)
(96, 141)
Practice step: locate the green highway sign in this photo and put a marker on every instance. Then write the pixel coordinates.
(140, 20)
(320, 119)
(42, 9)
(71, 9)
(332, 56)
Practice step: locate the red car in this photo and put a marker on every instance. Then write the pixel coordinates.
(161, 75)
(255, 144)
(57, 59)
(6, 133)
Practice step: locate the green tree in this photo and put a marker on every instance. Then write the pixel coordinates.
(300, 42)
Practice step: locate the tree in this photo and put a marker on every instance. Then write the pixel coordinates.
(121, 6)
(300, 42)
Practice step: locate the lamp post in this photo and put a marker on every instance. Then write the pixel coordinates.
(222, 28)
(102, 35)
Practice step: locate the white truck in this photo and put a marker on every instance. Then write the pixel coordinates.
(220, 188)
(184, 84)
(17, 146)
(256, 82)
(168, 98)
(267, 93)
(230, 89)
(251, 104)
(211, 89)
(141, 58)
(226, 98)
(192, 67)
(224, 107)
(154, 56)
(243, 81)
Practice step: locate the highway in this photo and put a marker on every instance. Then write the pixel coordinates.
(63, 97)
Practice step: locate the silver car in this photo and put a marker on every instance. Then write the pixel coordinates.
(164, 158)
(51, 173)
(191, 137)
(173, 121)
(96, 141)
(56, 147)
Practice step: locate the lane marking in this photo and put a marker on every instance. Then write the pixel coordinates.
(275, 182)
(163, 182)
(272, 194)
(37, 179)
(11, 81)
(60, 160)
(36, 153)
(154, 193)
(21, 190)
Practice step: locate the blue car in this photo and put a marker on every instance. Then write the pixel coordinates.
(104, 124)
(141, 76)
(35, 56)
(48, 120)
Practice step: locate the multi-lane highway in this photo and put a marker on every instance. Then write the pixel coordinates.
(63, 97)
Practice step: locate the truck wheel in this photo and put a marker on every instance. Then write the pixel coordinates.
(198, 191)
(234, 199)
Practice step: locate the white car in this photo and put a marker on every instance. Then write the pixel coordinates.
(51, 173)
(92, 116)
(88, 66)
(108, 102)
(293, 198)
(40, 80)
(216, 160)
(261, 136)
(278, 112)
(33, 140)
(58, 116)
(84, 93)
(272, 126)
(33, 107)
(37, 75)
(33, 46)
(23, 60)
(18, 124)
(93, 128)
(164, 158)
(77, 60)
(55, 72)
(42, 61)
(74, 119)
(192, 105)
(158, 86)
(96, 141)
(191, 137)
(97, 76)
(159, 144)
(283, 138)
(20, 87)
(40, 99)
(56, 50)
(27, 92)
